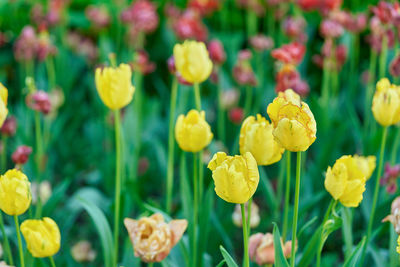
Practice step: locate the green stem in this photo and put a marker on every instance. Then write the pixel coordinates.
(383, 57)
(51, 72)
(197, 96)
(326, 77)
(251, 23)
(249, 203)
(347, 231)
(287, 196)
(370, 89)
(117, 182)
(171, 144)
(138, 109)
(4, 155)
(195, 206)
(53, 264)
(221, 115)
(6, 242)
(376, 190)
(201, 176)
(39, 146)
(321, 242)
(296, 210)
(354, 63)
(249, 96)
(245, 238)
(21, 251)
(395, 146)
(150, 264)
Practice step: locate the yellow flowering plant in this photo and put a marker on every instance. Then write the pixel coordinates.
(345, 181)
(15, 192)
(42, 237)
(366, 164)
(192, 132)
(192, 61)
(114, 85)
(3, 103)
(294, 124)
(386, 103)
(256, 137)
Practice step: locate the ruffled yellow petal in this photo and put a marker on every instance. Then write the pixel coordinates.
(353, 193)
(336, 180)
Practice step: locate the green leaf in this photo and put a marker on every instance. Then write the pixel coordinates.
(352, 260)
(103, 229)
(221, 263)
(280, 260)
(228, 259)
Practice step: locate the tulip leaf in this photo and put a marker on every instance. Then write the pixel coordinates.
(221, 263)
(227, 257)
(280, 260)
(352, 260)
(103, 229)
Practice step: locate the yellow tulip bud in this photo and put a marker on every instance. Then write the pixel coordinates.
(42, 237)
(345, 181)
(256, 137)
(236, 178)
(294, 124)
(15, 193)
(192, 132)
(114, 86)
(386, 103)
(3, 103)
(366, 164)
(192, 61)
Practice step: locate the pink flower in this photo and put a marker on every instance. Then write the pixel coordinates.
(390, 177)
(294, 28)
(205, 7)
(9, 127)
(242, 71)
(292, 53)
(395, 66)
(26, 44)
(261, 42)
(190, 26)
(39, 101)
(143, 63)
(98, 16)
(385, 11)
(331, 28)
(21, 155)
(216, 52)
(142, 14)
(289, 78)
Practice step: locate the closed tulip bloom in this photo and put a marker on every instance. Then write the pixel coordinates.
(345, 181)
(386, 103)
(236, 178)
(152, 238)
(366, 164)
(294, 124)
(192, 61)
(15, 193)
(3, 103)
(256, 137)
(114, 86)
(192, 132)
(42, 237)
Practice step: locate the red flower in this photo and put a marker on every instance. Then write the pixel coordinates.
(261, 42)
(21, 154)
(331, 28)
(385, 11)
(9, 127)
(190, 26)
(142, 14)
(289, 78)
(292, 53)
(39, 101)
(216, 51)
(236, 115)
(395, 66)
(205, 7)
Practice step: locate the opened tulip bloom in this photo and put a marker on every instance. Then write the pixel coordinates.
(256, 137)
(42, 237)
(366, 164)
(294, 124)
(345, 181)
(114, 86)
(236, 178)
(386, 103)
(192, 61)
(3, 103)
(192, 132)
(15, 192)
(152, 238)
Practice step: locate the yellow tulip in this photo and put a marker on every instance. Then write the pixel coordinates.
(42, 237)
(256, 137)
(366, 164)
(192, 132)
(345, 181)
(398, 245)
(15, 193)
(3, 103)
(386, 103)
(192, 61)
(114, 86)
(294, 124)
(236, 178)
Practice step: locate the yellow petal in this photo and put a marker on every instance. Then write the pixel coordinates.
(336, 180)
(352, 195)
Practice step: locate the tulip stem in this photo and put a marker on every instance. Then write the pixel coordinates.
(331, 206)
(4, 155)
(197, 97)
(249, 203)
(171, 144)
(370, 85)
(39, 145)
(376, 191)
(295, 209)
(383, 57)
(21, 251)
(287, 195)
(117, 182)
(195, 206)
(53, 264)
(6, 242)
(221, 114)
(245, 237)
